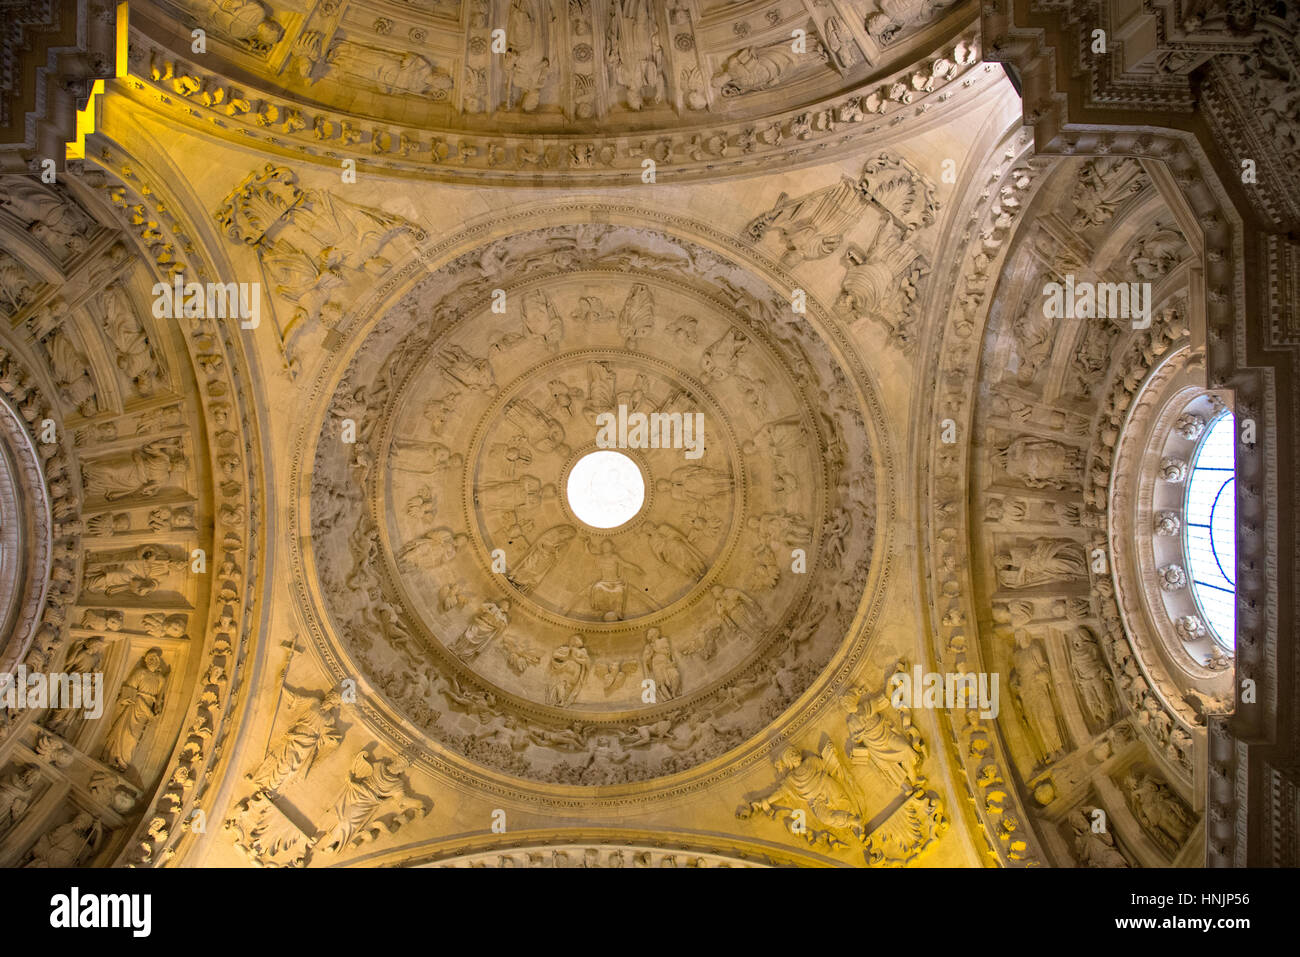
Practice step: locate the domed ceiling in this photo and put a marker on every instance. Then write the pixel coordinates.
(456, 573)
(551, 90)
(560, 65)
(772, 271)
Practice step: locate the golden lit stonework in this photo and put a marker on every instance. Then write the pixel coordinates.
(460, 579)
(559, 433)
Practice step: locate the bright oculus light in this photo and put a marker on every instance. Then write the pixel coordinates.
(605, 489)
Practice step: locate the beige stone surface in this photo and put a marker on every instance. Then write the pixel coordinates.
(326, 562)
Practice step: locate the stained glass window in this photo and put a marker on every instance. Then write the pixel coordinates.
(1210, 529)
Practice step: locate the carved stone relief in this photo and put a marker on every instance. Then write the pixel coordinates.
(822, 796)
(135, 570)
(707, 97)
(471, 641)
(1073, 672)
(467, 587)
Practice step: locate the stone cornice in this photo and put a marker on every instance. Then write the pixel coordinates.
(52, 53)
(950, 79)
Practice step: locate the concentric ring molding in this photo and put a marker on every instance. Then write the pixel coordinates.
(540, 372)
(719, 252)
(25, 537)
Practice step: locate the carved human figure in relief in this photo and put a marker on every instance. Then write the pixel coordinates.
(139, 703)
(722, 359)
(877, 739)
(1160, 813)
(56, 222)
(673, 549)
(693, 484)
(131, 342)
(67, 845)
(543, 432)
(1033, 334)
(567, 671)
(85, 658)
(605, 753)
(431, 550)
(660, 664)
(71, 371)
(1093, 356)
(1031, 682)
(375, 789)
(839, 43)
(311, 732)
(527, 64)
(15, 284)
(544, 554)
(1024, 566)
(144, 471)
(16, 791)
(490, 621)
(1092, 848)
(608, 594)
(1041, 463)
(1104, 184)
(821, 782)
(430, 458)
(525, 492)
(775, 443)
(1091, 676)
(470, 371)
(1157, 252)
(316, 247)
(244, 20)
(781, 530)
(391, 71)
(738, 613)
(636, 56)
(140, 576)
(540, 322)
